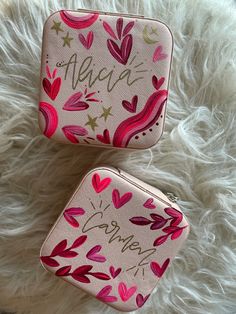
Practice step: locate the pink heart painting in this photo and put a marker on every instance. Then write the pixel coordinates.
(52, 89)
(98, 184)
(105, 137)
(131, 106)
(124, 292)
(159, 54)
(149, 203)
(159, 270)
(122, 53)
(88, 41)
(140, 299)
(120, 201)
(72, 212)
(104, 295)
(94, 256)
(114, 272)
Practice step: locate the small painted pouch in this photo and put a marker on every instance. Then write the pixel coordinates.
(115, 238)
(104, 79)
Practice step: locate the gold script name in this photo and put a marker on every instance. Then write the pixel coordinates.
(113, 231)
(85, 71)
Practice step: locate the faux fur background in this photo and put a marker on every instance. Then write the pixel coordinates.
(196, 159)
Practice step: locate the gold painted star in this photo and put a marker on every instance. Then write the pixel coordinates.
(106, 113)
(57, 27)
(92, 122)
(67, 40)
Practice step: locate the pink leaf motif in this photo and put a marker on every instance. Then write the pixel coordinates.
(69, 214)
(118, 200)
(157, 83)
(68, 254)
(60, 247)
(149, 203)
(74, 103)
(80, 278)
(140, 299)
(177, 215)
(158, 223)
(71, 131)
(159, 270)
(124, 292)
(93, 256)
(83, 270)
(109, 30)
(49, 261)
(79, 241)
(128, 28)
(54, 73)
(140, 221)
(98, 184)
(88, 41)
(100, 276)
(48, 72)
(119, 27)
(159, 54)
(160, 240)
(63, 271)
(114, 272)
(104, 296)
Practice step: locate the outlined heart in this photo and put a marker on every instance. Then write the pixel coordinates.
(98, 184)
(53, 89)
(140, 299)
(124, 292)
(159, 270)
(118, 200)
(131, 106)
(105, 138)
(122, 53)
(88, 41)
(114, 272)
(159, 54)
(72, 212)
(94, 256)
(157, 83)
(104, 296)
(149, 203)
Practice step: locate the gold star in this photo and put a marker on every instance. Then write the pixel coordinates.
(106, 113)
(57, 27)
(67, 40)
(92, 122)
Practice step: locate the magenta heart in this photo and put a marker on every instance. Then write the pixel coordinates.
(118, 200)
(159, 270)
(53, 89)
(105, 138)
(104, 296)
(157, 83)
(114, 272)
(140, 299)
(124, 292)
(98, 184)
(149, 203)
(75, 104)
(93, 256)
(122, 53)
(88, 41)
(131, 106)
(159, 54)
(72, 212)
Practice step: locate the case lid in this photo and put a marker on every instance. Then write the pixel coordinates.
(104, 79)
(115, 239)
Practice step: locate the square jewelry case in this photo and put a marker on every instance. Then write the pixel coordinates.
(104, 79)
(115, 238)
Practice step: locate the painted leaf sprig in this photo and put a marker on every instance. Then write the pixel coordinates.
(81, 273)
(62, 250)
(120, 45)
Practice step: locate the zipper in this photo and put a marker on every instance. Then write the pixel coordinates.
(112, 13)
(171, 196)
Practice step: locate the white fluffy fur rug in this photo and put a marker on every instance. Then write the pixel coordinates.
(195, 159)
